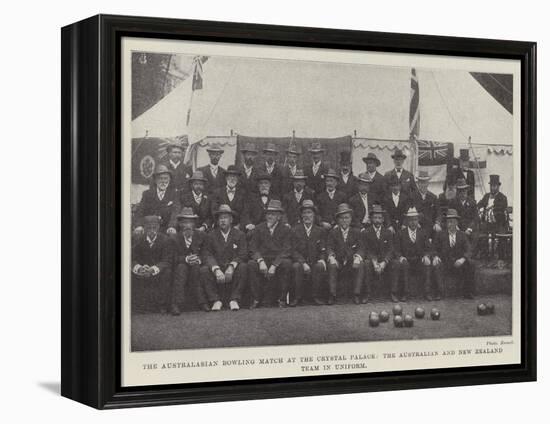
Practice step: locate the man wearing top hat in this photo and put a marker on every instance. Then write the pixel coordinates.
(348, 181)
(223, 275)
(152, 259)
(328, 200)
(198, 200)
(426, 204)
(405, 178)
(463, 172)
(270, 247)
(294, 199)
(316, 171)
(345, 253)
(270, 167)
(213, 172)
(378, 184)
(293, 153)
(396, 203)
(248, 169)
(379, 251)
(189, 245)
(452, 253)
(161, 199)
(363, 201)
(308, 254)
(174, 162)
(493, 206)
(412, 253)
(232, 194)
(256, 204)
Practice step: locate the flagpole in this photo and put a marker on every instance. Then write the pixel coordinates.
(477, 165)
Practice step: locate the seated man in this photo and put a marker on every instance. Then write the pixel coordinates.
(188, 252)
(452, 255)
(270, 249)
(224, 274)
(256, 204)
(378, 242)
(345, 253)
(329, 199)
(308, 253)
(412, 252)
(233, 194)
(197, 200)
(152, 257)
(396, 203)
(466, 207)
(293, 200)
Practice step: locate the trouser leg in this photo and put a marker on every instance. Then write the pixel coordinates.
(368, 277)
(180, 284)
(239, 281)
(298, 274)
(209, 286)
(282, 279)
(467, 275)
(254, 280)
(332, 279)
(358, 276)
(317, 276)
(399, 269)
(437, 273)
(426, 275)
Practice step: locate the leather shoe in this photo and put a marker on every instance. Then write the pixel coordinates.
(331, 300)
(394, 298)
(356, 300)
(282, 304)
(404, 298)
(174, 310)
(205, 307)
(254, 304)
(318, 302)
(428, 298)
(365, 300)
(293, 303)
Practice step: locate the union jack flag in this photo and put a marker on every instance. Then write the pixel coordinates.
(432, 153)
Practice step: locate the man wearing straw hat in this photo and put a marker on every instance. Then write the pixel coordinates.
(406, 179)
(233, 194)
(363, 201)
(348, 181)
(378, 184)
(269, 270)
(188, 257)
(316, 171)
(248, 169)
(161, 199)
(174, 162)
(152, 259)
(328, 200)
(426, 203)
(345, 253)
(412, 253)
(308, 254)
(452, 254)
(270, 167)
(223, 276)
(198, 200)
(293, 153)
(257, 204)
(294, 199)
(213, 172)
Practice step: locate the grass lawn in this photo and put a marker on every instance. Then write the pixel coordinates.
(315, 324)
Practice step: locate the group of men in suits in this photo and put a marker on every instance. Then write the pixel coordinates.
(269, 229)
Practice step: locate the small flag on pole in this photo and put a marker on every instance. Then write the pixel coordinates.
(197, 80)
(414, 109)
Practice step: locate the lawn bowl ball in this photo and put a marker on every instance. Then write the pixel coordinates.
(419, 313)
(398, 321)
(408, 320)
(435, 314)
(384, 316)
(482, 309)
(490, 308)
(397, 310)
(374, 319)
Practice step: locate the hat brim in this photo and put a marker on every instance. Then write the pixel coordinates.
(217, 213)
(313, 208)
(416, 215)
(215, 150)
(316, 150)
(187, 217)
(155, 174)
(236, 172)
(280, 210)
(462, 187)
(401, 156)
(204, 180)
(332, 176)
(343, 212)
(298, 177)
(248, 151)
(366, 159)
(423, 178)
(451, 217)
(269, 151)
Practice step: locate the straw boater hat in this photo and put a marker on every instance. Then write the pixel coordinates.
(232, 170)
(151, 219)
(316, 147)
(293, 148)
(215, 148)
(461, 184)
(423, 176)
(494, 180)
(451, 213)
(162, 169)
(364, 178)
(299, 175)
(270, 147)
(308, 204)
(224, 209)
(376, 209)
(343, 208)
(179, 144)
(332, 173)
(198, 176)
(275, 206)
(373, 157)
(263, 176)
(411, 213)
(187, 213)
(399, 154)
(249, 147)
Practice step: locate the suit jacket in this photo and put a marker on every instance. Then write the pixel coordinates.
(469, 217)
(378, 185)
(349, 188)
(442, 246)
(356, 203)
(344, 250)
(308, 249)
(180, 175)
(255, 209)
(500, 204)
(274, 247)
(382, 248)
(238, 204)
(249, 184)
(167, 208)
(442, 205)
(408, 185)
(160, 254)
(327, 206)
(181, 251)
(316, 182)
(427, 207)
(469, 176)
(276, 179)
(395, 213)
(404, 246)
(203, 210)
(287, 184)
(213, 182)
(220, 253)
(292, 206)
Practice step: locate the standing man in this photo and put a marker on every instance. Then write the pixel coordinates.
(452, 255)
(233, 194)
(293, 153)
(318, 168)
(174, 162)
(378, 181)
(213, 172)
(270, 249)
(396, 203)
(249, 171)
(308, 254)
(257, 204)
(412, 253)
(348, 181)
(271, 168)
(223, 277)
(463, 172)
(345, 254)
(493, 206)
(293, 200)
(466, 207)
(329, 199)
(426, 204)
(405, 178)
(363, 201)
(197, 200)
(379, 251)
(161, 199)
(152, 259)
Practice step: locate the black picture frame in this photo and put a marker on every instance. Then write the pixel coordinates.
(91, 210)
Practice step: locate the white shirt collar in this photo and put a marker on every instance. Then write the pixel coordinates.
(152, 240)
(225, 235)
(175, 164)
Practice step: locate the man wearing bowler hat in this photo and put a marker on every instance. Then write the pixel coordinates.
(363, 201)
(426, 203)
(396, 203)
(294, 199)
(213, 172)
(248, 169)
(405, 178)
(232, 194)
(348, 181)
(198, 200)
(257, 204)
(174, 162)
(293, 153)
(269, 270)
(308, 253)
(161, 199)
(345, 253)
(328, 200)
(412, 253)
(270, 167)
(223, 275)
(463, 172)
(452, 256)
(378, 185)
(152, 259)
(466, 207)
(317, 169)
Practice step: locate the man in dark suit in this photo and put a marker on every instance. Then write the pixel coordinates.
(152, 259)
(445, 200)
(198, 201)
(466, 207)
(161, 200)
(345, 253)
(188, 257)
(294, 199)
(293, 152)
(412, 253)
(348, 181)
(363, 201)
(213, 172)
(223, 276)
(493, 206)
(308, 253)
(269, 270)
(328, 200)
(379, 251)
(317, 169)
(378, 185)
(462, 172)
(233, 194)
(256, 205)
(174, 162)
(248, 170)
(270, 167)
(426, 204)
(406, 179)
(396, 203)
